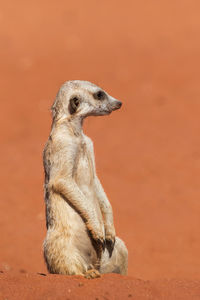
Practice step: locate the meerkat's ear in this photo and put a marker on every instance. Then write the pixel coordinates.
(73, 104)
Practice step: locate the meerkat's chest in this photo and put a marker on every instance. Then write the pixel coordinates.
(84, 170)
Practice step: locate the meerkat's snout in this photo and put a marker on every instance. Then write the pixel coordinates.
(115, 104)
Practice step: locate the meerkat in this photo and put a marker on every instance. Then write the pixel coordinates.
(80, 237)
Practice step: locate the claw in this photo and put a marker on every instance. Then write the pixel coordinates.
(102, 244)
(110, 246)
(99, 244)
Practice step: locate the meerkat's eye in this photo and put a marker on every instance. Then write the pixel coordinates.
(100, 95)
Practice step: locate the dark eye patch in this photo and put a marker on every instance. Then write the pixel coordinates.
(100, 95)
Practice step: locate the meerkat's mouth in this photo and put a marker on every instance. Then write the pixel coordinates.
(105, 112)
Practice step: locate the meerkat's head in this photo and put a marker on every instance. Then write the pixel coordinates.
(81, 99)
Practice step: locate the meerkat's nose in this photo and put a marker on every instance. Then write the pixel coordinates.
(120, 104)
(115, 104)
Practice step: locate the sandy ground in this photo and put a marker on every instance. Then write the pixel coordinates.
(145, 53)
(109, 287)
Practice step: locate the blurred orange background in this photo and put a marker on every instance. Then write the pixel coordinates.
(145, 53)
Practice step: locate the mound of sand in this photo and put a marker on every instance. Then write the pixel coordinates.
(109, 287)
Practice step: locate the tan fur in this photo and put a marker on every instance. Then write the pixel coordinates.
(80, 236)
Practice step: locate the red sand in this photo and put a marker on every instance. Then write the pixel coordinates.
(146, 53)
(36, 286)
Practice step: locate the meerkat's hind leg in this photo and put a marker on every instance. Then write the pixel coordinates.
(118, 262)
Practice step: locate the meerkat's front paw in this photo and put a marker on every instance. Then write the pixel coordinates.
(91, 274)
(99, 244)
(110, 239)
(98, 239)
